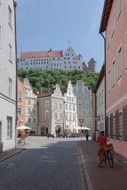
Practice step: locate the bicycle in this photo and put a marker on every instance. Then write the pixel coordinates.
(107, 156)
(21, 141)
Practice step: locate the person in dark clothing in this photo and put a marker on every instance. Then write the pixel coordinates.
(87, 136)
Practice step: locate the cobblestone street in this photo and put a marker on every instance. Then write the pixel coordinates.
(50, 164)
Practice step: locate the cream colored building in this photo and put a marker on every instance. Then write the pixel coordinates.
(50, 117)
(30, 106)
(70, 110)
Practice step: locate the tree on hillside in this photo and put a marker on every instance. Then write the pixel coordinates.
(40, 78)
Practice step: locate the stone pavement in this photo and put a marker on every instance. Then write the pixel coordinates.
(9, 153)
(104, 178)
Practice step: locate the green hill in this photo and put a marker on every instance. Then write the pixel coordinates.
(44, 78)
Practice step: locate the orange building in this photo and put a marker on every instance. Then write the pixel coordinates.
(20, 103)
(114, 29)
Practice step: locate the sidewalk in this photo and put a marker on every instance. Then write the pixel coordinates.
(104, 178)
(9, 153)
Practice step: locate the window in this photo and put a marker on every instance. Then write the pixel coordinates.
(9, 16)
(19, 111)
(113, 24)
(61, 116)
(10, 87)
(0, 36)
(10, 53)
(34, 111)
(46, 114)
(56, 105)
(19, 96)
(29, 120)
(0, 130)
(108, 82)
(9, 127)
(60, 106)
(29, 110)
(113, 74)
(34, 120)
(119, 3)
(29, 102)
(55, 115)
(126, 50)
(119, 63)
(46, 104)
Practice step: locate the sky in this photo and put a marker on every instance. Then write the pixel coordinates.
(59, 24)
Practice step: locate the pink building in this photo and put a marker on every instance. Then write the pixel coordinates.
(114, 27)
(20, 103)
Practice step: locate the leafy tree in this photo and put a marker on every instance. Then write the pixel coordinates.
(40, 78)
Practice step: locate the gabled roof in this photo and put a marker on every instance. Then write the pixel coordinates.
(39, 54)
(92, 60)
(44, 94)
(105, 15)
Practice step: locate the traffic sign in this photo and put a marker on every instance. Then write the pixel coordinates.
(81, 121)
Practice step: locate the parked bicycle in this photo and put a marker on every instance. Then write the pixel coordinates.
(21, 141)
(108, 156)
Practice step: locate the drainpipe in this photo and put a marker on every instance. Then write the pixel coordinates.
(105, 76)
(15, 5)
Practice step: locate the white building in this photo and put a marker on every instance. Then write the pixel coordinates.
(84, 105)
(30, 107)
(52, 59)
(99, 92)
(50, 106)
(7, 75)
(70, 110)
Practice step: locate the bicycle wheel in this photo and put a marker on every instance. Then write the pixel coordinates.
(110, 159)
(22, 142)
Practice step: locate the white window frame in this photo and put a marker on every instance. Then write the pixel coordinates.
(9, 127)
(19, 110)
(108, 81)
(46, 104)
(0, 130)
(0, 37)
(113, 73)
(10, 52)
(9, 16)
(119, 62)
(34, 120)
(29, 120)
(126, 50)
(10, 87)
(19, 95)
(119, 8)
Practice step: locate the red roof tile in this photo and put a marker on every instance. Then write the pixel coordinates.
(38, 54)
(44, 94)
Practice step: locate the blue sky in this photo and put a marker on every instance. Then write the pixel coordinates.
(45, 24)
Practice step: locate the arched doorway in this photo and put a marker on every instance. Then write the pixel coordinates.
(44, 130)
(58, 130)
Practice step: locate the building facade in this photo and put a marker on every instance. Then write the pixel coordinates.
(30, 107)
(99, 92)
(115, 28)
(20, 103)
(84, 105)
(70, 110)
(51, 118)
(53, 59)
(7, 75)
